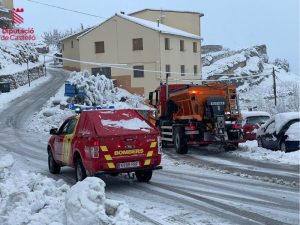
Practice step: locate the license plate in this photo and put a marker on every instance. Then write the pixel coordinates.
(128, 165)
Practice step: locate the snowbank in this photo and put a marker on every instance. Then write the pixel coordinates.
(30, 198)
(86, 204)
(99, 90)
(252, 151)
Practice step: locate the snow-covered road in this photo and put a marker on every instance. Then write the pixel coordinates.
(203, 187)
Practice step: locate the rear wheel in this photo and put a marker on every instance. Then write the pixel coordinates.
(54, 168)
(143, 176)
(80, 173)
(179, 141)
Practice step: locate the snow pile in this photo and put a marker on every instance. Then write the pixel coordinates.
(51, 115)
(28, 198)
(250, 150)
(131, 124)
(33, 199)
(86, 204)
(100, 91)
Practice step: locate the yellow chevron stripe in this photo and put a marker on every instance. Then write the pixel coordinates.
(153, 144)
(150, 153)
(104, 148)
(147, 162)
(108, 157)
(111, 165)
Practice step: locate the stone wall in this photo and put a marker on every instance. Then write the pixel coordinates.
(21, 78)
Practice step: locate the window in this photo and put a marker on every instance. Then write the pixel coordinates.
(63, 47)
(99, 47)
(195, 70)
(195, 47)
(71, 126)
(181, 45)
(168, 70)
(138, 71)
(167, 43)
(72, 44)
(182, 69)
(271, 128)
(137, 44)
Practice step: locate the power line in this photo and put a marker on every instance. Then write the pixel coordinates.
(123, 66)
(70, 10)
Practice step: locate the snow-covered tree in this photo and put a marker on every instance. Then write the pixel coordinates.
(283, 64)
(53, 37)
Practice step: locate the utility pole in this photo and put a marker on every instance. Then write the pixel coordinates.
(28, 73)
(274, 86)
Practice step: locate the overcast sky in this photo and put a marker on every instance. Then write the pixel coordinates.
(231, 23)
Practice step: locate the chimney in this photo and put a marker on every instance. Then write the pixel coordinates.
(158, 22)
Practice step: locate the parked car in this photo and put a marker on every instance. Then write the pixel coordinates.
(251, 121)
(99, 142)
(281, 131)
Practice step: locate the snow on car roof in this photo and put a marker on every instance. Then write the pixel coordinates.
(131, 124)
(282, 118)
(246, 114)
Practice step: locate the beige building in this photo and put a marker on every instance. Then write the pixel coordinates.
(143, 50)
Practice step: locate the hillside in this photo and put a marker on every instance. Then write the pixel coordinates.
(251, 70)
(13, 62)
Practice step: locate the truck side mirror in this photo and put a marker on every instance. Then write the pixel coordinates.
(150, 98)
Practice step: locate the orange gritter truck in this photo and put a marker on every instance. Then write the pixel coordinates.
(197, 115)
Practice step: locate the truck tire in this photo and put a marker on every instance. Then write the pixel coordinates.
(180, 141)
(143, 176)
(54, 168)
(80, 173)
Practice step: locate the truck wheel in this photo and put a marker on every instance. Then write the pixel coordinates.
(80, 173)
(54, 168)
(143, 176)
(179, 141)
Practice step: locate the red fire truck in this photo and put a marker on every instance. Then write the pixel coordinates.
(105, 142)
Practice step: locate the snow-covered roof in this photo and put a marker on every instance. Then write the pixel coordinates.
(247, 114)
(76, 34)
(163, 10)
(151, 25)
(161, 28)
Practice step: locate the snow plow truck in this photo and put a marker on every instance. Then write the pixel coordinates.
(197, 115)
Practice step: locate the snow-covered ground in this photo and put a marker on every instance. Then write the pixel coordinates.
(250, 150)
(7, 97)
(31, 198)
